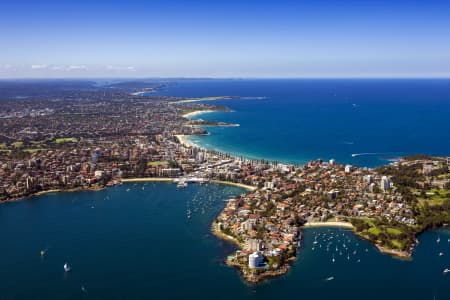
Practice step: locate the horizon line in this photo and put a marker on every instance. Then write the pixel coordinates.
(223, 78)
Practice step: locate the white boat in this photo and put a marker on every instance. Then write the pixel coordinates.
(182, 184)
(329, 278)
(438, 240)
(441, 254)
(67, 268)
(446, 271)
(333, 260)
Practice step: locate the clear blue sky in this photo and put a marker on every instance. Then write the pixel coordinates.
(225, 38)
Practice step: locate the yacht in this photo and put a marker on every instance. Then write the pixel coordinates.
(333, 260)
(446, 271)
(438, 240)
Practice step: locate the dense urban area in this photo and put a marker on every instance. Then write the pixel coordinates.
(85, 136)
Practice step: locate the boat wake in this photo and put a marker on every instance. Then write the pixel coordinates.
(365, 153)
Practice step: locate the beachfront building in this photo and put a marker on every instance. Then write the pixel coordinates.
(255, 260)
(348, 168)
(385, 183)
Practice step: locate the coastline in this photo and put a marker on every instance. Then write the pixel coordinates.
(328, 224)
(241, 185)
(395, 253)
(194, 113)
(164, 179)
(41, 193)
(218, 233)
(184, 140)
(147, 179)
(211, 98)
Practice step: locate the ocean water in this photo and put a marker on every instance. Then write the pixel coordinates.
(139, 244)
(360, 122)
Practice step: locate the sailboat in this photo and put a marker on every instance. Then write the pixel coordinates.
(67, 268)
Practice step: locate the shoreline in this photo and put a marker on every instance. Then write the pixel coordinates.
(328, 224)
(241, 185)
(42, 193)
(147, 179)
(404, 255)
(211, 98)
(194, 113)
(183, 139)
(218, 233)
(122, 180)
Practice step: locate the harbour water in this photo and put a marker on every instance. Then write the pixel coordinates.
(362, 122)
(135, 242)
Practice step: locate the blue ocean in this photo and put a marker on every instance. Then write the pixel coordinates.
(135, 242)
(364, 122)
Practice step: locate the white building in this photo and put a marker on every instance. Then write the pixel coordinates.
(348, 168)
(368, 179)
(385, 183)
(254, 245)
(331, 162)
(269, 185)
(255, 260)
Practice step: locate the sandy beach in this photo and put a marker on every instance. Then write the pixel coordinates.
(244, 186)
(329, 224)
(196, 112)
(184, 140)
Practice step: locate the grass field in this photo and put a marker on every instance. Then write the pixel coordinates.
(435, 197)
(374, 230)
(157, 163)
(66, 140)
(33, 150)
(393, 231)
